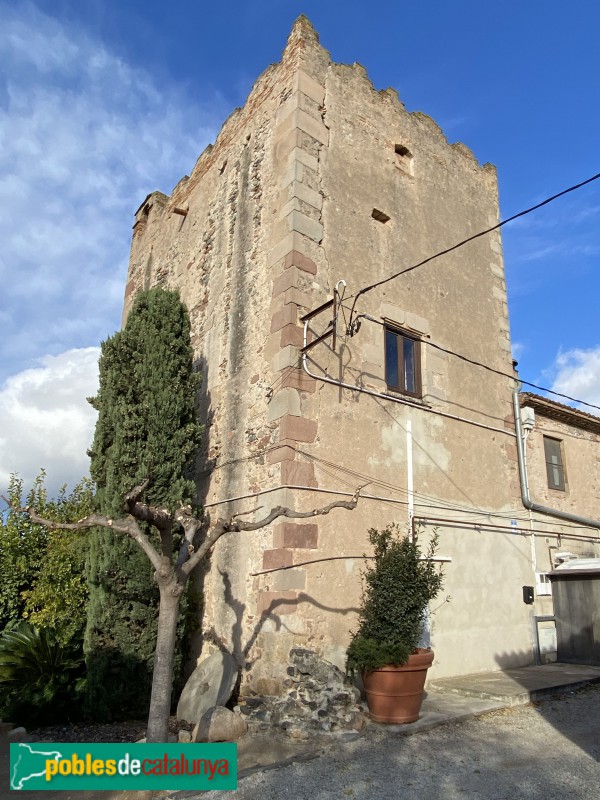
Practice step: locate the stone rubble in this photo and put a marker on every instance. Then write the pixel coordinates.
(318, 698)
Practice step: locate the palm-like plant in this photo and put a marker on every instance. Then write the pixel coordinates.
(40, 676)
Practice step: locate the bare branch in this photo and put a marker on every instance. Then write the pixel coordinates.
(222, 526)
(209, 542)
(161, 518)
(134, 495)
(243, 513)
(127, 525)
(281, 511)
(191, 525)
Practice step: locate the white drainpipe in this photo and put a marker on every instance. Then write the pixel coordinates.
(409, 478)
(525, 496)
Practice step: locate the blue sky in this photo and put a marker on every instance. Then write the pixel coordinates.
(104, 101)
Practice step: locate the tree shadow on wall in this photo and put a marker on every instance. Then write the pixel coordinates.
(241, 651)
(206, 464)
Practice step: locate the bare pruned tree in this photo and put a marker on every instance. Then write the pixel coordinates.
(172, 569)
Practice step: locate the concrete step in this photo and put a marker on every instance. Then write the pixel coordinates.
(519, 686)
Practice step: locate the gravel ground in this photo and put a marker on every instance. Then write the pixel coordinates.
(91, 732)
(546, 751)
(549, 750)
(129, 731)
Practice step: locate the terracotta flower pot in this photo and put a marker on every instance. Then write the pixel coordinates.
(395, 694)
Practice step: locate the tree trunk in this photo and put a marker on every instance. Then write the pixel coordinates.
(162, 677)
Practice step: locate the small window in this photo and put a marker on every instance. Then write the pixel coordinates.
(402, 362)
(403, 157)
(555, 470)
(543, 587)
(380, 216)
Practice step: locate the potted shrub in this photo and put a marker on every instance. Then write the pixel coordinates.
(398, 585)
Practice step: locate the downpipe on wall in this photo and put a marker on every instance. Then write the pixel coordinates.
(525, 495)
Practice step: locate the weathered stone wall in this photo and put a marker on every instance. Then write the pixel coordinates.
(240, 238)
(273, 215)
(315, 696)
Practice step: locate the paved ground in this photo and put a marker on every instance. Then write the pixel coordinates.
(516, 686)
(546, 750)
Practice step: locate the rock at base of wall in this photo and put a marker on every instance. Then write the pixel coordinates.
(219, 724)
(172, 739)
(210, 684)
(17, 735)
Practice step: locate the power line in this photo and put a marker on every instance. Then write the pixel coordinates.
(490, 369)
(429, 500)
(279, 379)
(508, 375)
(465, 241)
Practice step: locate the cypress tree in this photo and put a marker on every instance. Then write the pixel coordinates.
(146, 428)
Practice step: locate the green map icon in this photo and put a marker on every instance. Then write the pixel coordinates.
(29, 761)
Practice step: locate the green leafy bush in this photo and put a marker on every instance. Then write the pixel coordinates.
(42, 577)
(21, 543)
(398, 586)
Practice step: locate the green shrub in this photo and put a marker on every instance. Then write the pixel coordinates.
(398, 586)
(42, 575)
(147, 428)
(21, 543)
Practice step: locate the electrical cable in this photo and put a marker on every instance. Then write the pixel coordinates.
(280, 378)
(488, 368)
(420, 497)
(507, 375)
(463, 242)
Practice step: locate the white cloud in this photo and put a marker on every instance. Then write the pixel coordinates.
(45, 420)
(578, 375)
(566, 250)
(84, 136)
(586, 213)
(518, 349)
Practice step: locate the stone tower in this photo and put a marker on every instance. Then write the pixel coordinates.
(321, 178)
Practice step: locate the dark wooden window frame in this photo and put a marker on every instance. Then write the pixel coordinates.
(555, 469)
(399, 385)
